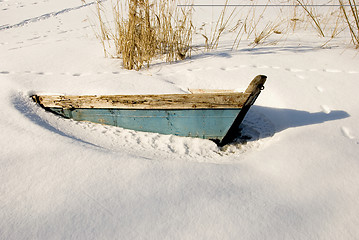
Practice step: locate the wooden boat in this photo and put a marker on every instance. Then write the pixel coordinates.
(204, 114)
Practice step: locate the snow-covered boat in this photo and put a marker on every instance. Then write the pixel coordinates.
(208, 114)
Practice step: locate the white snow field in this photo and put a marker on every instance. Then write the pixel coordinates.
(296, 178)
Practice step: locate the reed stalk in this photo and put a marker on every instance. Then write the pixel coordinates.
(312, 16)
(351, 18)
(151, 29)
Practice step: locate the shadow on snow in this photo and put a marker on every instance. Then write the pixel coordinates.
(25, 107)
(283, 119)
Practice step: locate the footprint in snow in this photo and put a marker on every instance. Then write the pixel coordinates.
(263, 66)
(347, 133)
(294, 70)
(332, 70)
(33, 38)
(194, 69)
(320, 89)
(228, 68)
(301, 77)
(325, 109)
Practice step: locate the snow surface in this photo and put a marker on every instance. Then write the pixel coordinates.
(297, 178)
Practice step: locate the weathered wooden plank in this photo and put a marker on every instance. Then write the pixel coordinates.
(256, 84)
(194, 90)
(165, 101)
(213, 100)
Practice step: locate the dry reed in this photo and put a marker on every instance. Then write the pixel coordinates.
(313, 16)
(351, 18)
(254, 28)
(151, 29)
(223, 22)
(145, 30)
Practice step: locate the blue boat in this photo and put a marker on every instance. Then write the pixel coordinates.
(209, 115)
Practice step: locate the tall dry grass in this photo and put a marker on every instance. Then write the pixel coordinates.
(311, 11)
(256, 29)
(351, 16)
(344, 18)
(140, 31)
(143, 30)
(223, 23)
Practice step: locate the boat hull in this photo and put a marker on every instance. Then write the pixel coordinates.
(209, 115)
(200, 123)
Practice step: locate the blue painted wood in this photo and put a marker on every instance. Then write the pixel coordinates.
(211, 123)
(201, 123)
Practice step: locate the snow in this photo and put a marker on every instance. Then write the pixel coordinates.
(60, 179)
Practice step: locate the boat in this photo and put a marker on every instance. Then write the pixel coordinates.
(208, 114)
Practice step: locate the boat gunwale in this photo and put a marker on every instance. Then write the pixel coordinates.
(161, 101)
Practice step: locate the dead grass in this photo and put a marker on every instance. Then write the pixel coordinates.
(311, 11)
(223, 23)
(351, 17)
(254, 28)
(269, 29)
(333, 22)
(143, 30)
